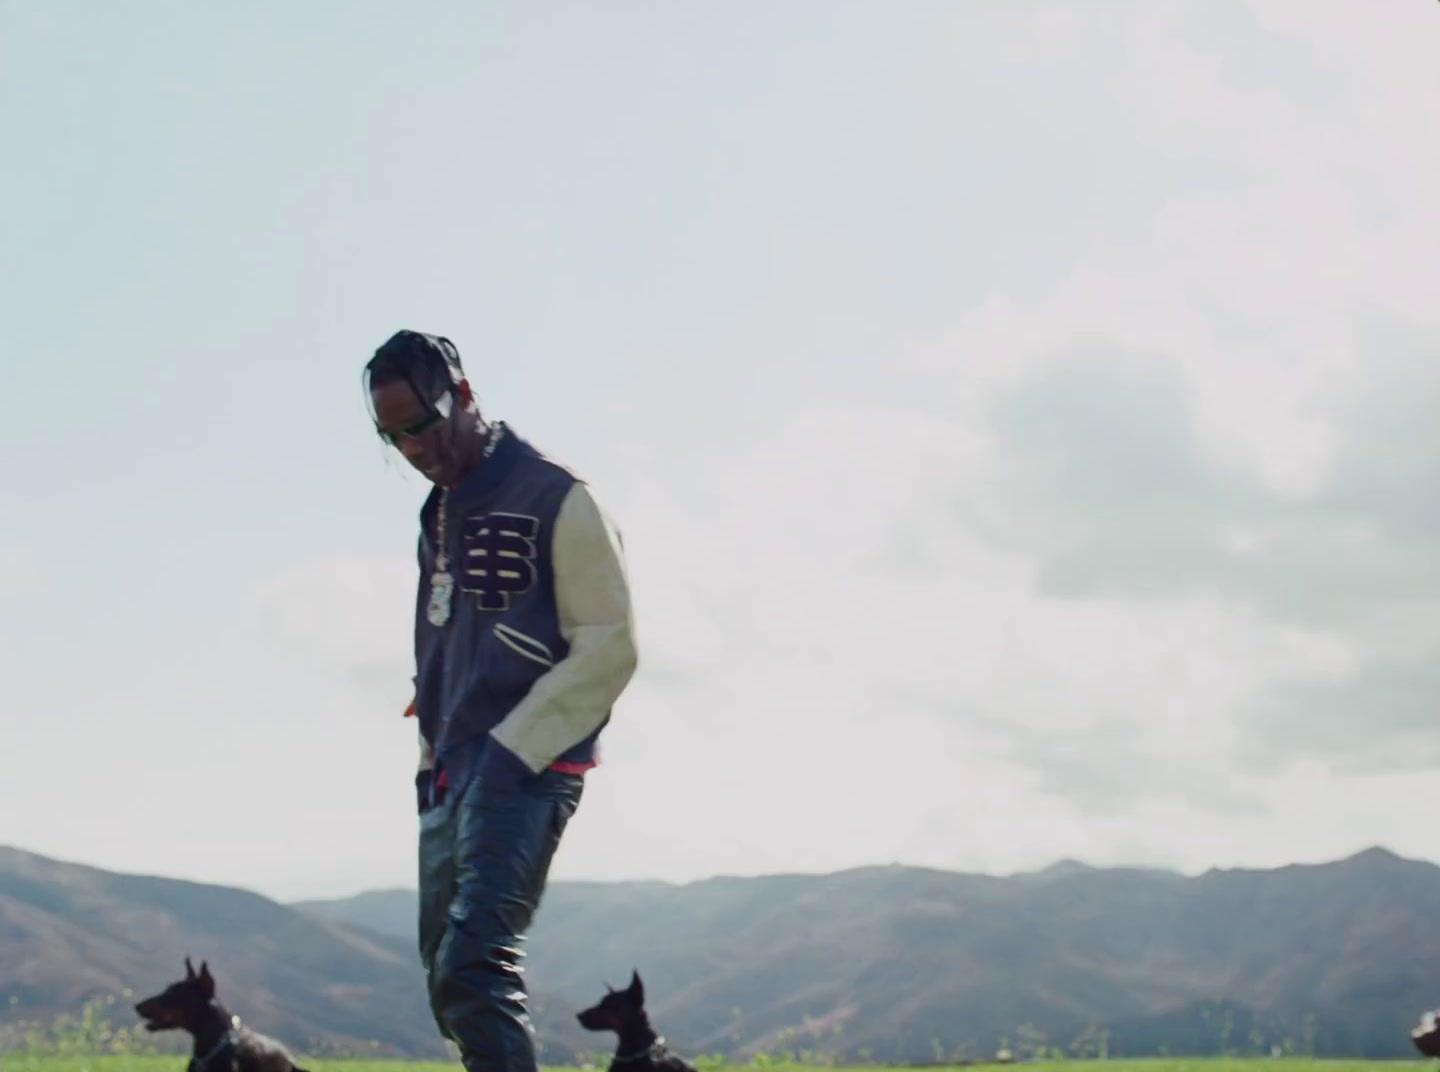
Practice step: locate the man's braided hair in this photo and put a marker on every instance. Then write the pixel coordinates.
(430, 364)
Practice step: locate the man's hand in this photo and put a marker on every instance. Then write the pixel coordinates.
(501, 770)
(425, 774)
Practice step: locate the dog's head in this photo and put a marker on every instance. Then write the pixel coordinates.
(180, 1004)
(618, 1009)
(1427, 1035)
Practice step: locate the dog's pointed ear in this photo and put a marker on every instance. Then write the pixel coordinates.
(189, 970)
(207, 981)
(609, 989)
(637, 988)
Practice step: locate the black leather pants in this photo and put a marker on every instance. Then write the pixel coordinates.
(484, 858)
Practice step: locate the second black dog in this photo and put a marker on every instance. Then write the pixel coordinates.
(221, 1043)
(639, 1048)
(1426, 1035)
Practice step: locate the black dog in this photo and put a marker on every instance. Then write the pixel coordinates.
(221, 1043)
(638, 1048)
(1427, 1036)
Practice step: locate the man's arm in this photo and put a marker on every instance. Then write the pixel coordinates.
(592, 596)
(425, 772)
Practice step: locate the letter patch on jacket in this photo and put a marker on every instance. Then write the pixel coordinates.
(499, 557)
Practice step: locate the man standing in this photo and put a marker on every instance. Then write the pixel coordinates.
(523, 642)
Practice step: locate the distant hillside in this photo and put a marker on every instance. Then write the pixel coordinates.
(902, 963)
(393, 913)
(891, 964)
(69, 934)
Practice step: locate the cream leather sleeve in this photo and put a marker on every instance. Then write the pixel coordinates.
(592, 597)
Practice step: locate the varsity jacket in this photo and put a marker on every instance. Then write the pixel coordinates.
(540, 640)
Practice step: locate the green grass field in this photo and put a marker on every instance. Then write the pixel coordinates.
(176, 1064)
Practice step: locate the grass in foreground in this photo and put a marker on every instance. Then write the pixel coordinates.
(177, 1064)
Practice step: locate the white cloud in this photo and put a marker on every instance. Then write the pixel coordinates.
(1129, 565)
(21, 571)
(955, 699)
(1255, 286)
(858, 640)
(351, 613)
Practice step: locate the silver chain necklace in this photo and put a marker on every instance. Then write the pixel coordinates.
(442, 584)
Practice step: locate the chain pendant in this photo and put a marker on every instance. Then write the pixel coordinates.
(442, 587)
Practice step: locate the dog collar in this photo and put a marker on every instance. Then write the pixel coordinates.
(199, 1064)
(625, 1059)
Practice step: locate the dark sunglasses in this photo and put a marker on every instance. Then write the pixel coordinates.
(438, 413)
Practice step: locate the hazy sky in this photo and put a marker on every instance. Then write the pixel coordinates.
(1021, 418)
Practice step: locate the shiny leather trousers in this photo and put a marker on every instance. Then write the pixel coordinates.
(484, 858)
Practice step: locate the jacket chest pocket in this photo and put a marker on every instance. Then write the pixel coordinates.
(513, 663)
(524, 645)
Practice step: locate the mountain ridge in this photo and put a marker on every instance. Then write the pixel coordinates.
(1332, 958)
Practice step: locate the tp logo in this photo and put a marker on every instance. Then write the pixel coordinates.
(498, 557)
